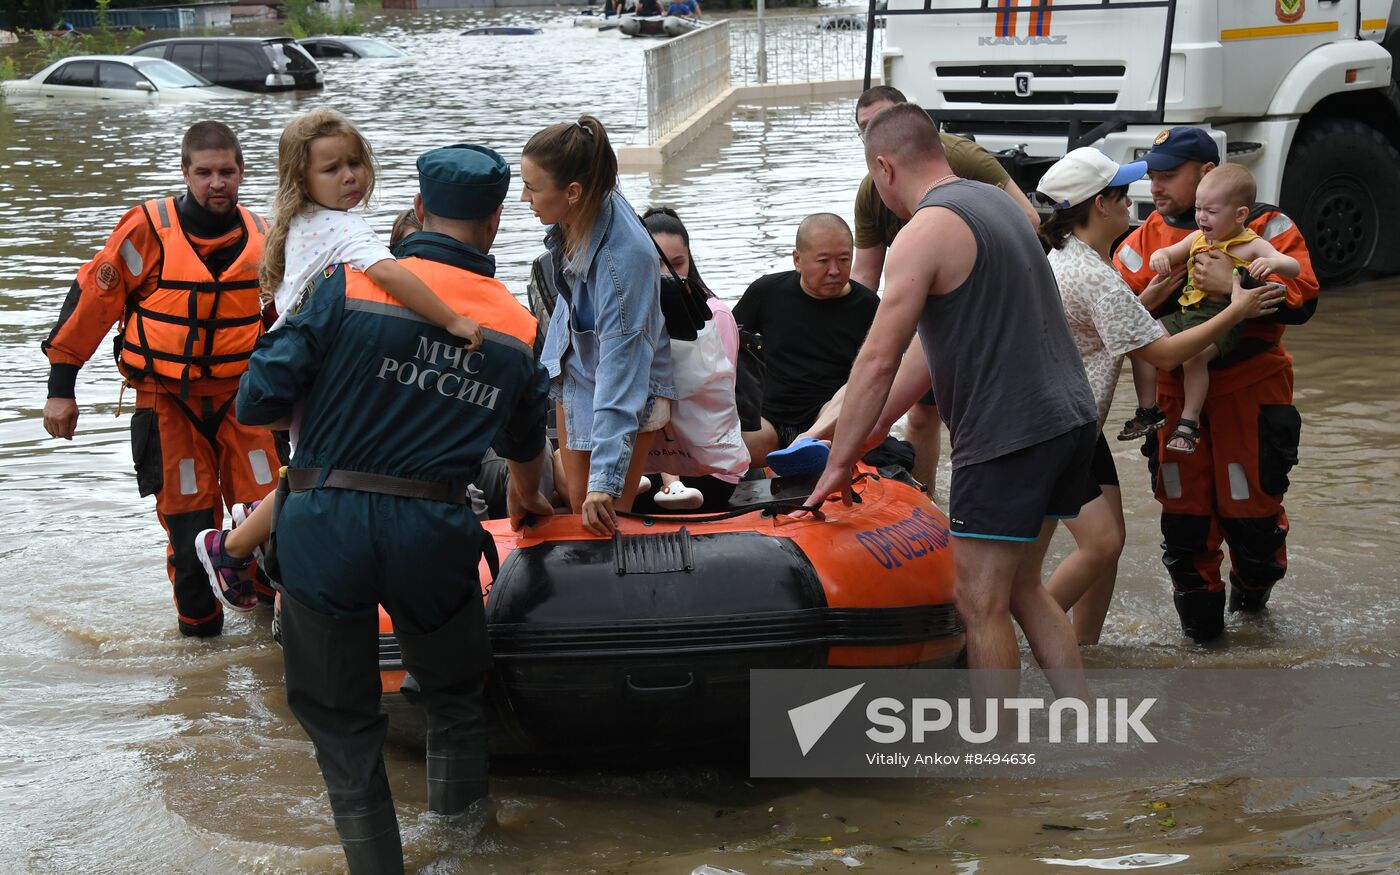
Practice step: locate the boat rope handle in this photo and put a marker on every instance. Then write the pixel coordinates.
(775, 507)
(768, 508)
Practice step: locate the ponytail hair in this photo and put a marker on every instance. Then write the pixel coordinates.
(406, 223)
(1062, 222)
(663, 220)
(293, 156)
(579, 152)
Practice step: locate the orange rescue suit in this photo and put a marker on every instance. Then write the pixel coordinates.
(192, 325)
(1232, 487)
(188, 308)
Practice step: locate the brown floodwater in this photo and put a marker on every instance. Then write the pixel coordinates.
(125, 748)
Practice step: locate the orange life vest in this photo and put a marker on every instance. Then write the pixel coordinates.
(193, 326)
(483, 298)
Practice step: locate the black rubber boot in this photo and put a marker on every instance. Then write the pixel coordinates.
(456, 778)
(193, 598)
(1202, 614)
(208, 629)
(1250, 601)
(371, 841)
(332, 672)
(449, 666)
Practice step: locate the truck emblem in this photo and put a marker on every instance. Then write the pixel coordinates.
(1289, 11)
(1023, 84)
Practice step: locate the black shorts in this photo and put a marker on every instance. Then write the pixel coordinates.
(715, 491)
(928, 399)
(1010, 497)
(1105, 471)
(788, 432)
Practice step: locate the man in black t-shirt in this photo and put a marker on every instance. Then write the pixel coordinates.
(813, 320)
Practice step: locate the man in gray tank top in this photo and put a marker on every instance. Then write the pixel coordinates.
(969, 274)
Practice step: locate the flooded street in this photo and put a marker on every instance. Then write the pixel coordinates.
(125, 748)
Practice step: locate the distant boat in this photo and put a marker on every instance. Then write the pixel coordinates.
(846, 23)
(501, 30)
(658, 26)
(597, 22)
(842, 22)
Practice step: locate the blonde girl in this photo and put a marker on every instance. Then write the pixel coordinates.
(325, 168)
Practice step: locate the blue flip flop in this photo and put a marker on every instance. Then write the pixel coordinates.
(805, 456)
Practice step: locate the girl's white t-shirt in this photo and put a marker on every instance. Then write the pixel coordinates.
(316, 239)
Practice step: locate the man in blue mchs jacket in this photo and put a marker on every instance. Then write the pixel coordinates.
(395, 416)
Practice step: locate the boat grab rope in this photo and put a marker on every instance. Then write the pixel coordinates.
(768, 508)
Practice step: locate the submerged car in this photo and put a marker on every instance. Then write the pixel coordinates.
(248, 63)
(332, 47)
(117, 78)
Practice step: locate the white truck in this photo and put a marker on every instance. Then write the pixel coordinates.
(1300, 91)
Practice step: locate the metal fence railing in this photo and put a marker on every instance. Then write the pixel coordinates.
(684, 74)
(801, 48)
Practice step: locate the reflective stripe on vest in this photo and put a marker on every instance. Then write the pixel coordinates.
(483, 298)
(194, 326)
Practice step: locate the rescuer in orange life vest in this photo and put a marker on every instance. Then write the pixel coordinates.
(180, 274)
(1232, 486)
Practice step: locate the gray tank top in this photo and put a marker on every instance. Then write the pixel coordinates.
(1005, 368)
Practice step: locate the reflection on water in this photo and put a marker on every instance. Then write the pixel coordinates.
(128, 749)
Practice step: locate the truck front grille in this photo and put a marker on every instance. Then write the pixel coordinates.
(1063, 71)
(1040, 98)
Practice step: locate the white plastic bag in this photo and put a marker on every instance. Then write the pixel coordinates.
(703, 434)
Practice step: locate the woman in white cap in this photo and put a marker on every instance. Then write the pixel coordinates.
(1089, 194)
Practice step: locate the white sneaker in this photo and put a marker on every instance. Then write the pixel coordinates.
(678, 496)
(643, 485)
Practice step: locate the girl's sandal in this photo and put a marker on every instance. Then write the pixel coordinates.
(1143, 423)
(1184, 439)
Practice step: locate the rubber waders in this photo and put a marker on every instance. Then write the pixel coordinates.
(332, 673)
(450, 665)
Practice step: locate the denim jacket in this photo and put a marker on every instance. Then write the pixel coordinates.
(609, 314)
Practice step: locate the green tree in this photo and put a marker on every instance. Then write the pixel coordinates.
(305, 17)
(33, 13)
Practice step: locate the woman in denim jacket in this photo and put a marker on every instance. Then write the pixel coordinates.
(606, 349)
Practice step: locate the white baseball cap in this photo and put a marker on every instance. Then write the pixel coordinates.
(1083, 173)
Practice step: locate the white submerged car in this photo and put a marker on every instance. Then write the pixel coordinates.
(118, 78)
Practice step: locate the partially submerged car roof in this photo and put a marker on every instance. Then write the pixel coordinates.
(214, 39)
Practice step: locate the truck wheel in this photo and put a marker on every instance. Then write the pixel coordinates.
(1342, 187)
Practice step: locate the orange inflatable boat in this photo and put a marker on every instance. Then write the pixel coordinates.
(646, 639)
